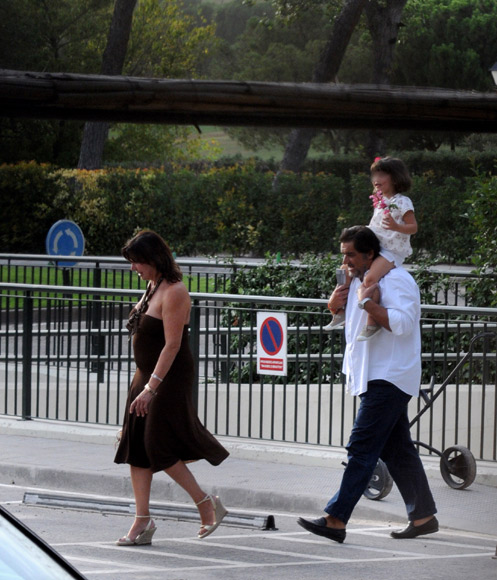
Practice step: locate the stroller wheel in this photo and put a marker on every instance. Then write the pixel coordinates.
(458, 467)
(380, 484)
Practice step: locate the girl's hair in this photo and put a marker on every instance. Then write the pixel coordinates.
(396, 169)
(147, 247)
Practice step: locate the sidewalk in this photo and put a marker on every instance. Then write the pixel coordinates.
(266, 476)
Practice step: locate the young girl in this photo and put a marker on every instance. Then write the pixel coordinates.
(393, 222)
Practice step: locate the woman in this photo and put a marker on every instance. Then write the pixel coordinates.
(161, 430)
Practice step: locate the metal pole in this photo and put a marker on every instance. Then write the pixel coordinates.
(27, 343)
(195, 347)
(97, 340)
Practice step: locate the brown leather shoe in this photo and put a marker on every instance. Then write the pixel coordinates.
(412, 531)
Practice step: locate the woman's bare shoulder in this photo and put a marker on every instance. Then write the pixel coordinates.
(174, 293)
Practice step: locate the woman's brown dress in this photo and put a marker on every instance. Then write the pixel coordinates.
(171, 431)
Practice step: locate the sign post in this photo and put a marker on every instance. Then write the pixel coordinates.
(272, 343)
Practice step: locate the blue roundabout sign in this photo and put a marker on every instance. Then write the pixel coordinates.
(65, 238)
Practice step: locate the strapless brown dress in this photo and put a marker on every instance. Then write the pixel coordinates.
(171, 431)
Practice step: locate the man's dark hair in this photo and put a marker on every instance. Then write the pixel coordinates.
(363, 238)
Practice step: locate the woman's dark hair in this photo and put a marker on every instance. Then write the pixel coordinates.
(397, 170)
(363, 238)
(147, 247)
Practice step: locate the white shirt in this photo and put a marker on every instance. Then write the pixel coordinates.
(394, 356)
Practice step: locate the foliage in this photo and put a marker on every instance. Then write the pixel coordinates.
(33, 198)
(433, 201)
(433, 286)
(279, 48)
(167, 42)
(61, 36)
(69, 36)
(134, 144)
(231, 209)
(482, 201)
(443, 43)
(447, 43)
(315, 277)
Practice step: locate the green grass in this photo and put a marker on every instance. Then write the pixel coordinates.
(116, 279)
(85, 278)
(230, 147)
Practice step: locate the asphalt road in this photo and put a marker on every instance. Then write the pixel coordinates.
(86, 539)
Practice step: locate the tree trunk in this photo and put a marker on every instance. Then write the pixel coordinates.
(384, 21)
(95, 134)
(325, 71)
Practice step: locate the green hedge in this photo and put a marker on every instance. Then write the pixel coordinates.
(220, 210)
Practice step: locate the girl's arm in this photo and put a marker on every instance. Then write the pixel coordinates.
(409, 227)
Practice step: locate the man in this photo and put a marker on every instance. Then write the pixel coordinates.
(385, 373)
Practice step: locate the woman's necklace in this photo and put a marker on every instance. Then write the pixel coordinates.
(136, 313)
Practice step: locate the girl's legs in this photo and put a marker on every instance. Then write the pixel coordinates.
(339, 316)
(379, 268)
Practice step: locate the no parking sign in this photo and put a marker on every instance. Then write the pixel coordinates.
(271, 343)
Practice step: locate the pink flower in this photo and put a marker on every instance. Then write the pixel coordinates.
(378, 200)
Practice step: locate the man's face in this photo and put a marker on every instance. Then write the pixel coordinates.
(357, 263)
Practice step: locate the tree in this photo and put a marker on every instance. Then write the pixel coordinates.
(276, 46)
(445, 43)
(164, 41)
(384, 22)
(325, 71)
(95, 134)
(62, 35)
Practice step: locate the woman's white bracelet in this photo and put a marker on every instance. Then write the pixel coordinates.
(154, 376)
(150, 390)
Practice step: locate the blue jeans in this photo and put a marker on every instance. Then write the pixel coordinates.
(381, 429)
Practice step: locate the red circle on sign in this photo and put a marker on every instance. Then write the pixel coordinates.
(271, 336)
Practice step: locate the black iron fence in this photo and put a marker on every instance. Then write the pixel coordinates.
(444, 285)
(65, 355)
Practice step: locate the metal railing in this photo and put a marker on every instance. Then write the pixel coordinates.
(447, 286)
(205, 275)
(65, 355)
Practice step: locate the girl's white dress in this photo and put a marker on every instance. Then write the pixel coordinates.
(395, 246)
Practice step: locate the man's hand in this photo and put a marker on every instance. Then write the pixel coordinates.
(338, 299)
